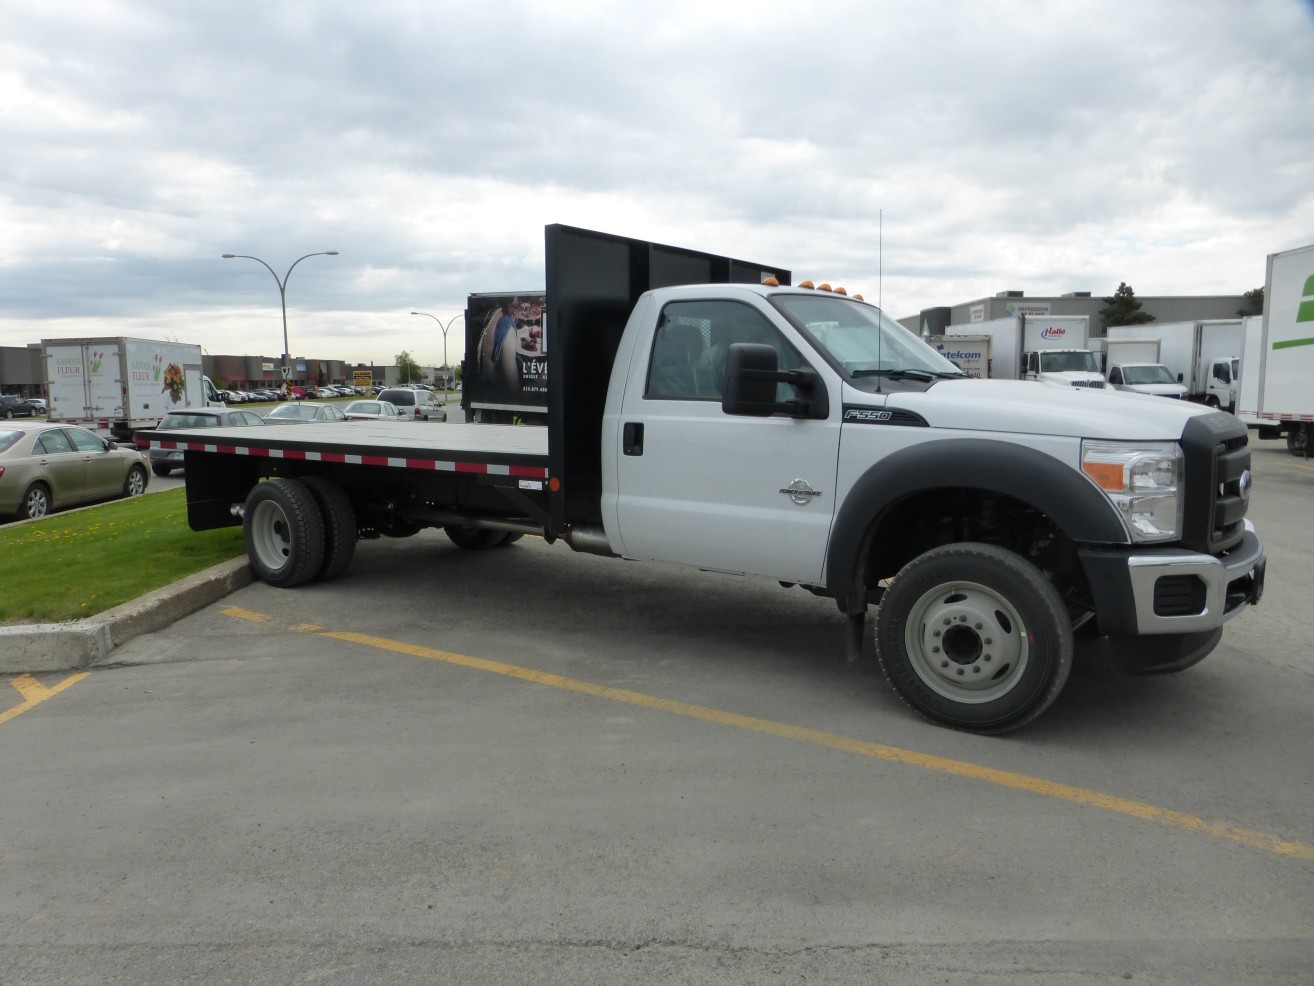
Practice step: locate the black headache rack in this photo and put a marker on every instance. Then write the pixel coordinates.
(593, 282)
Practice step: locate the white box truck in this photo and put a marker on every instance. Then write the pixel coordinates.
(1276, 395)
(1052, 350)
(1203, 356)
(122, 385)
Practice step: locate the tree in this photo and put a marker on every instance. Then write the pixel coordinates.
(1252, 303)
(408, 371)
(1123, 308)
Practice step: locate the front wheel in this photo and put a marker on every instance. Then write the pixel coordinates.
(284, 533)
(974, 637)
(160, 469)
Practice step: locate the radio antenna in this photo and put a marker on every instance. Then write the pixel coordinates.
(880, 256)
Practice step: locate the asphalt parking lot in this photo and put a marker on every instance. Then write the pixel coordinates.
(532, 766)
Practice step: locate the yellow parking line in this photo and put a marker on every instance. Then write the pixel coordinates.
(34, 693)
(1250, 838)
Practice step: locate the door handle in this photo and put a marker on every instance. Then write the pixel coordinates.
(632, 438)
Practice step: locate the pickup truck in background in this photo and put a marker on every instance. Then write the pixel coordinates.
(704, 413)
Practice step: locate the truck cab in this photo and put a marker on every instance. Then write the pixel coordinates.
(1153, 379)
(1063, 368)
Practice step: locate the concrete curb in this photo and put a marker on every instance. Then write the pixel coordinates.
(39, 647)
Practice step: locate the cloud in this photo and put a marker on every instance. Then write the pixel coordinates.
(928, 153)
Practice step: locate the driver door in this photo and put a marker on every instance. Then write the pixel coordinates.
(700, 487)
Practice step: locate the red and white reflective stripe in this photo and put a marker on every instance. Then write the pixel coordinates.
(1277, 416)
(393, 462)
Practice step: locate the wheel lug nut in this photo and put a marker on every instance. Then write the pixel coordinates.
(976, 670)
(935, 633)
(944, 664)
(935, 650)
(987, 657)
(960, 671)
(980, 626)
(947, 621)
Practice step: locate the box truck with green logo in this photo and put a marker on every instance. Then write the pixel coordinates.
(1277, 370)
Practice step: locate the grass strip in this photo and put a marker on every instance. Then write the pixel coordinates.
(70, 566)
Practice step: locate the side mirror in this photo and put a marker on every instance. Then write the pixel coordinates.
(752, 371)
(750, 384)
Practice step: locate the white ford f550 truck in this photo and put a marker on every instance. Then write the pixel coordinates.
(702, 417)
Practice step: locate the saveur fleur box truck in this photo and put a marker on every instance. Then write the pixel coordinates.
(122, 385)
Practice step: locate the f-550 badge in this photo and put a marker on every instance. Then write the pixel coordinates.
(801, 492)
(867, 414)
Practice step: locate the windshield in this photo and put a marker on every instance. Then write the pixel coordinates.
(862, 340)
(1147, 374)
(1066, 362)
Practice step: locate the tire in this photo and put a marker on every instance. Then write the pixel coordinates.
(511, 538)
(474, 538)
(284, 533)
(339, 525)
(1298, 440)
(974, 637)
(36, 502)
(160, 469)
(135, 483)
(9, 414)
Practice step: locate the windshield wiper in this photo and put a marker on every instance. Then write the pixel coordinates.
(911, 373)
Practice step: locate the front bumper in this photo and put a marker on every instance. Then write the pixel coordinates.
(1173, 591)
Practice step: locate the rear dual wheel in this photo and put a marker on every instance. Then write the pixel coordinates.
(479, 538)
(975, 637)
(297, 530)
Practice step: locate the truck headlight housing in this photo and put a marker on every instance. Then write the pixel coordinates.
(1144, 482)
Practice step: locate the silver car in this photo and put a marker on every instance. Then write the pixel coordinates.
(45, 467)
(418, 405)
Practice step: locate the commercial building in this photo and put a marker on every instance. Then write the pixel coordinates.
(1175, 308)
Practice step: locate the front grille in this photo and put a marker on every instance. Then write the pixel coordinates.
(1097, 384)
(1217, 482)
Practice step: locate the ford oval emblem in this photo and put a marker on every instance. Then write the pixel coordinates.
(1245, 483)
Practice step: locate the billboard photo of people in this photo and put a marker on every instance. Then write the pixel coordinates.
(511, 354)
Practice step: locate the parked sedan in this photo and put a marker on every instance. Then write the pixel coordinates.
(373, 411)
(45, 467)
(165, 461)
(302, 412)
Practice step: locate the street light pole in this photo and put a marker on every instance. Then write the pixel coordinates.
(282, 294)
(450, 323)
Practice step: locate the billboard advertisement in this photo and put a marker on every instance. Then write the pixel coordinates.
(507, 367)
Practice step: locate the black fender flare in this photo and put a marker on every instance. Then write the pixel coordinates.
(1057, 490)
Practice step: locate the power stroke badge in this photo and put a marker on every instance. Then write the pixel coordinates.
(801, 492)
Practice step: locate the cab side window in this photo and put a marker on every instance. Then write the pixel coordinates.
(690, 346)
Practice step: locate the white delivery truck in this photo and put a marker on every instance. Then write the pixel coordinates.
(702, 415)
(1051, 350)
(1203, 356)
(1277, 379)
(122, 385)
(971, 354)
(1133, 365)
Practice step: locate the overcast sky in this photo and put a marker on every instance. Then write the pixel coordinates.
(926, 153)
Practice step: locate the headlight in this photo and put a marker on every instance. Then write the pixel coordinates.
(1143, 479)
